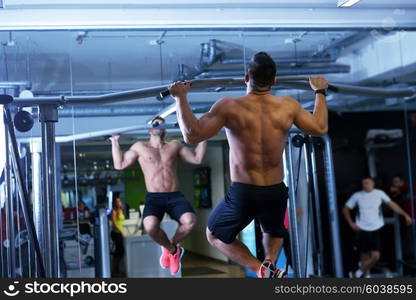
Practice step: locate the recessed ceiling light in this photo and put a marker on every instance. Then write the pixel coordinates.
(347, 3)
(168, 112)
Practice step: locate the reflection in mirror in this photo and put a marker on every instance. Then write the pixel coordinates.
(131, 198)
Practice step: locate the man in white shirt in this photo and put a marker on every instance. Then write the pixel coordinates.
(368, 222)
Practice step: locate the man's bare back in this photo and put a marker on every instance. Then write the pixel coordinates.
(256, 127)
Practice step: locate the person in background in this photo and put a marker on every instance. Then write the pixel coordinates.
(368, 222)
(117, 235)
(397, 190)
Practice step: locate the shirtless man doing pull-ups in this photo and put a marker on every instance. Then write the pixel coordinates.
(158, 159)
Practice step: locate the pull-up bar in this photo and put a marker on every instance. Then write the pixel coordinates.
(100, 133)
(298, 82)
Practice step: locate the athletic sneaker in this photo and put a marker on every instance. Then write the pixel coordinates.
(175, 260)
(164, 258)
(356, 274)
(268, 270)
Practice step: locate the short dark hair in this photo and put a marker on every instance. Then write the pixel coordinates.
(157, 118)
(261, 70)
(369, 177)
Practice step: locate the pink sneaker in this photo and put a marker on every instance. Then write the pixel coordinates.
(164, 258)
(175, 260)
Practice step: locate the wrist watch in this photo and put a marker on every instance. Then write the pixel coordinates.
(322, 91)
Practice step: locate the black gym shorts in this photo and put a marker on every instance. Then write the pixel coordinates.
(244, 202)
(173, 203)
(368, 241)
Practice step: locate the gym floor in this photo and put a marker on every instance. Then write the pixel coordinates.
(198, 266)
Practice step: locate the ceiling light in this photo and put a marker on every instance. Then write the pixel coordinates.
(165, 112)
(169, 111)
(347, 3)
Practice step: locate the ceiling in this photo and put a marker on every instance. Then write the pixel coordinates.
(218, 3)
(186, 14)
(97, 62)
(56, 62)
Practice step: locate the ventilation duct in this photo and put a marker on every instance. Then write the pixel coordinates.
(282, 60)
(330, 69)
(124, 110)
(210, 54)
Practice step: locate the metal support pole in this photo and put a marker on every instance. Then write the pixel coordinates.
(310, 228)
(332, 207)
(58, 208)
(102, 250)
(294, 230)
(29, 250)
(320, 241)
(398, 245)
(38, 213)
(48, 116)
(45, 208)
(11, 255)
